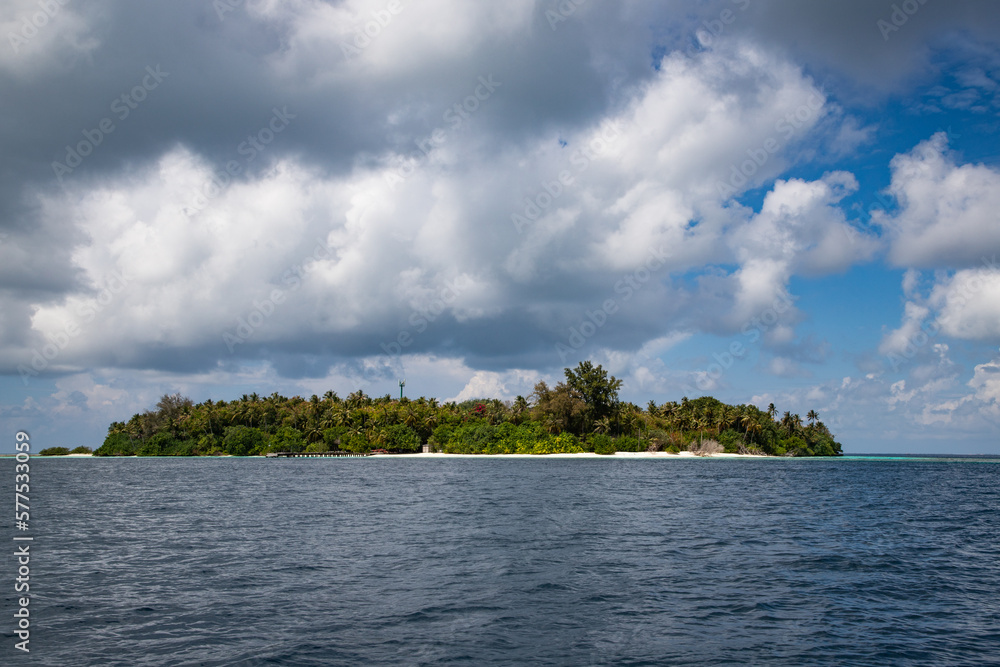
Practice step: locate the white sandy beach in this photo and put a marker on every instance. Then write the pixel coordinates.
(583, 455)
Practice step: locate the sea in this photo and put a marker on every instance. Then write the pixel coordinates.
(509, 561)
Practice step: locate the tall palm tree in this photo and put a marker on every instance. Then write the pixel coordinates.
(812, 417)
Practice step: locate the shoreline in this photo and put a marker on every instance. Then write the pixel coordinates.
(583, 455)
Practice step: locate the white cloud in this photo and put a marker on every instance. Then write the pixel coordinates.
(505, 385)
(986, 383)
(947, 215)
(41, 36)
(433, 252)
(969, 304)
(799, 230)
(903, 341)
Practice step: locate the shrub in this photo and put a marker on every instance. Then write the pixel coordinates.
(244, 441)
(795, 446)
(355, 442)
(333, 437)
(731, 440)
(402, 438)
(286, 439)
(657, 440)
(159, 444)
(602, 444)
(628, 443)
(208, 445)
(472, 438)
(116, 444)
(81, 450)
(706, 448)
(54, 451)
(440, 436)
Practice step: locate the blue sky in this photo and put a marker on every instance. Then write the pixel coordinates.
(219, 199)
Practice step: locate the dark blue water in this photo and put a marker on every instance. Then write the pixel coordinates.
(510, 561)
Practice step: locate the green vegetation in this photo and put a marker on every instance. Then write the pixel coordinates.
(63, 451)
(581, 414)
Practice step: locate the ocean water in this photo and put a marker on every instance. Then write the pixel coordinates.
(392, 561)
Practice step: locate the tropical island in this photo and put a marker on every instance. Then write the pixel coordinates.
(580, 414)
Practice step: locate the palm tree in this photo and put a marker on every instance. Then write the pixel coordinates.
(700, 422)
(410, 417)
(430, 421)
(812, 416)
(771, 410)
(602, 425)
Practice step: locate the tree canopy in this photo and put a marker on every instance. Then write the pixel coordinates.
(583, 413)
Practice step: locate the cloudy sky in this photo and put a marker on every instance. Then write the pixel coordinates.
(782, 202)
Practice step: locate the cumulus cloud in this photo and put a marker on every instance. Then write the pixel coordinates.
(42, 35)
(466, 241)
(969, 304)
(799, 230)
(947, 212)
(986, 383)
(460, 189)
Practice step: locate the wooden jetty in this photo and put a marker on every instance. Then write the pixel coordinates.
(312, 455)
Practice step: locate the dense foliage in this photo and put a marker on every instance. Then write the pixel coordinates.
(581, 414)
(63, 451)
